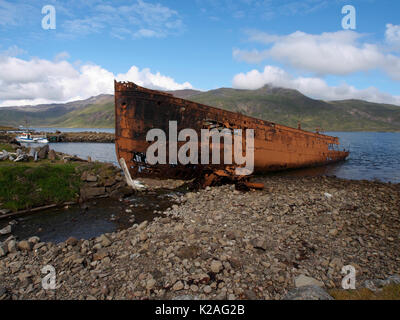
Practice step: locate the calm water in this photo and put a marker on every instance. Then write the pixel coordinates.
(374, 156)
(99, 217)
(104, 152)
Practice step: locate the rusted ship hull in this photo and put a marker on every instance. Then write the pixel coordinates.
(276, 147)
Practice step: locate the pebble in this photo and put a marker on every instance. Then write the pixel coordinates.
(34, 240)
(6, 230)
(71, 241)
(216, 266)
(207, 289)
(150, 284)
(105, 242)
(3, 250)
(24, 245)
(178, 286)
(12, 246)
(143, 236)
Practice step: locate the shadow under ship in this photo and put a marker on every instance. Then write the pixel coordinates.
(276, 147)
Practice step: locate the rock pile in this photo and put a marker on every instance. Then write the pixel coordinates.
(27, 154)
(98, 137)
(106, 182)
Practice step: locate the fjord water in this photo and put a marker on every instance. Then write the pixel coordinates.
(48, 130)
(104, 152)
(373, 155)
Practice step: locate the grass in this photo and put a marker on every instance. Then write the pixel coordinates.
(390, 292)
(6, 128)
(8, 163)
(7, 147)
(25, 186)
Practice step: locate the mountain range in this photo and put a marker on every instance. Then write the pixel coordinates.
(284, 106)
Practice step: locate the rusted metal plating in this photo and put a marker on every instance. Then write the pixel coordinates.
(276, 147)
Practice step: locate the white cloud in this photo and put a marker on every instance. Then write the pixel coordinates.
(392, 35)
(13, 51)
(10, 13)
(64, 55)
(77, 18)
(139, 19)
(36, 81)
(335, 53)
(152, 80)
(253, 56)
(311, 86)
(259, 9)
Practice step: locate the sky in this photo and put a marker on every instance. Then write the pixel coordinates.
(75, 49)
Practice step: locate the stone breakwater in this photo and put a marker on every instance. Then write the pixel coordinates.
(90, 137)
(219, 243)
(94, 137)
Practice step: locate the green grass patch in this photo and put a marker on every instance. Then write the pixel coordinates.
(24, 186)
(7, 147)
(390, 292)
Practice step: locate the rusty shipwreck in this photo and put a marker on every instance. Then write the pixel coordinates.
(276, 147)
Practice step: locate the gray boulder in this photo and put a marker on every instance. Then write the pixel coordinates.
(4, 211)
(377, 284)
(31, 153)
(6, 230)
(308, 293)
(43, 151)
(21, 157)
(4, 155)
(3, 250)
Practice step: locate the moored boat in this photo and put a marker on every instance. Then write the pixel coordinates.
(27, 137)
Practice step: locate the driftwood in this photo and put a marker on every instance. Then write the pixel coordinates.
(50, 206)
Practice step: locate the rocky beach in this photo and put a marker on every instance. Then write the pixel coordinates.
(288, 241)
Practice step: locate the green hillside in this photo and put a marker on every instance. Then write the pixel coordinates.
(100, 115)
(96, 112)
(284, 106)
(288, 107)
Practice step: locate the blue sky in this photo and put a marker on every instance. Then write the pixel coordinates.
(201, 44)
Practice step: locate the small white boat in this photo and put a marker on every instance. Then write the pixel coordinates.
(26, 137)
